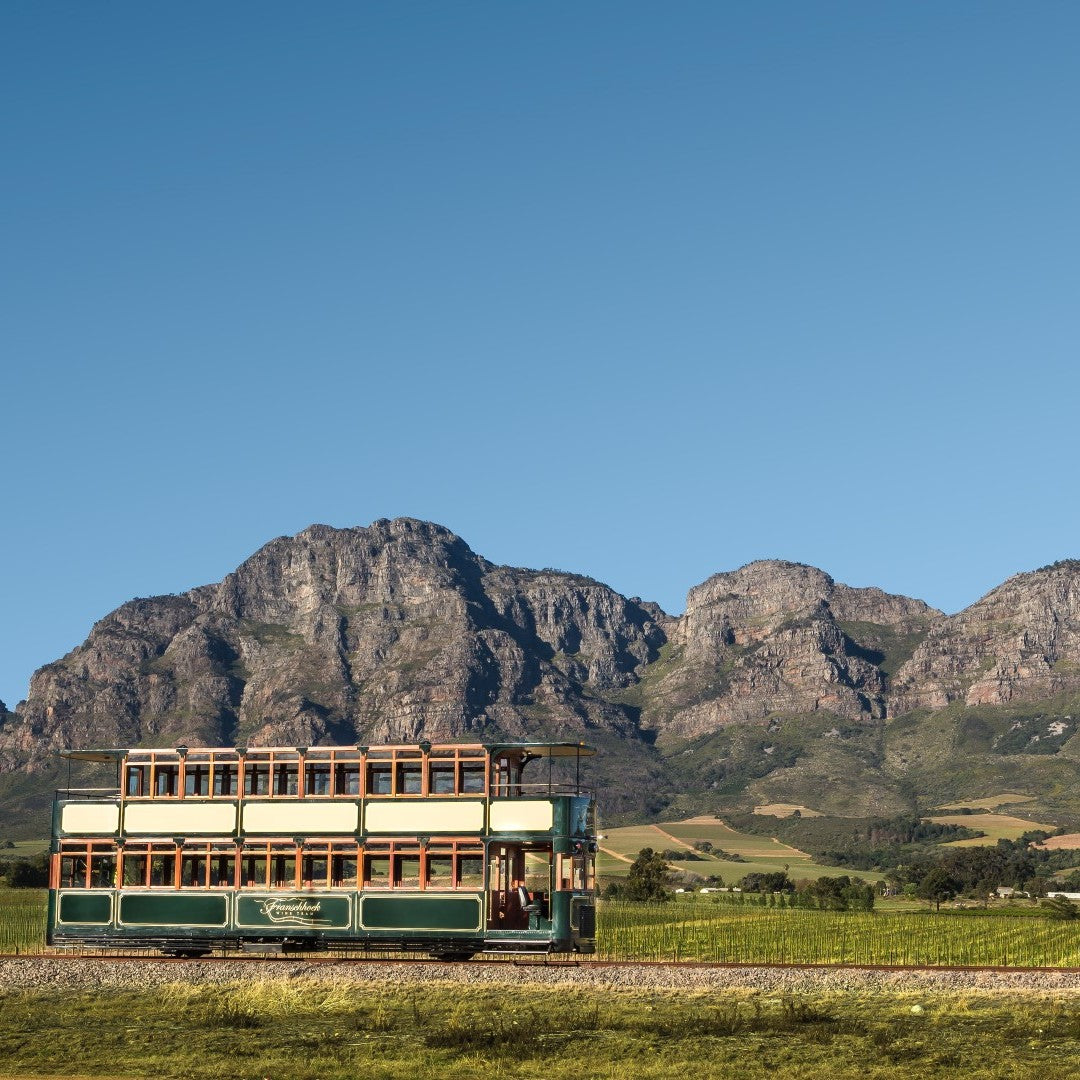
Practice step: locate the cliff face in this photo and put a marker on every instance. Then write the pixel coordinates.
(776, 637)
(392, 632)
(399, 631)
(1019, 642)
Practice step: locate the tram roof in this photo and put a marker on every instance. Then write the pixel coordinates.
(530, 749)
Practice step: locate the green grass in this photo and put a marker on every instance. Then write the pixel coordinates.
(309, 1030)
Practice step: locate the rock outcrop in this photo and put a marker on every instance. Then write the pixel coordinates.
(1019, 642)
(393, 632)
(779, 637)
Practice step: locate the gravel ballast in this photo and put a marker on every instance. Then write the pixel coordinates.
(17, 973)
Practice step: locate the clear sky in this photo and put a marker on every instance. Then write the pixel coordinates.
(643, 291)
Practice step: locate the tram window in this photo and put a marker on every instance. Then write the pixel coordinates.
(441, 778)
(470, 871)
(222, 870)
(135, 869)
(343, 871)
(407, 871)
(379, 778)
(439, 871)
(225, 780)
(197, 780)
(347, 779)
(257, 779)
(102, 871)
(317, 779)
(377, 871)
(136, 780)
(283, 871)
(162, 869)
(286, 779)
(193, 867)
(313, 873)
(165, 779)
(472, 778)
(73, 872)
(410, 778)
(253, 871)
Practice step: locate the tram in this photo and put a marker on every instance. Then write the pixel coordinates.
(449, 849)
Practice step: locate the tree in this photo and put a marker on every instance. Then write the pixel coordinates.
(647, 879)
(1060, 907)
(936, 885)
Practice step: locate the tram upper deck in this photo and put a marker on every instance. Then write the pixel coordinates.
(460, 788)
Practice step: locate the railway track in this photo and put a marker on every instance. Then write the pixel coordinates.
(263, 960)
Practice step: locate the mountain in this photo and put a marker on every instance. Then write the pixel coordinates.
(776, 684)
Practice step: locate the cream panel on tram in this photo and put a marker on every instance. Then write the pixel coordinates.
(310, 818)
(180, 818)
(90, 819)
(520, 815)
(424, 817)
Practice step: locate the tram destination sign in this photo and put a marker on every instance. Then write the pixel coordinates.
(291, 911)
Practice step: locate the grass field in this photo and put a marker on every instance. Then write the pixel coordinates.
(996, 826)
(308, 1030)
(991, 802)
(762, 854)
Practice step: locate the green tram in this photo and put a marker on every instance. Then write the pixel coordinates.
(449, 849)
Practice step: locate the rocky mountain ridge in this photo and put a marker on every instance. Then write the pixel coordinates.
(775, 676)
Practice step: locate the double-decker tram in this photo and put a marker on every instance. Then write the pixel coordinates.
(449, 849)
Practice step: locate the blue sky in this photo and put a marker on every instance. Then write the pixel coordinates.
(641, 291)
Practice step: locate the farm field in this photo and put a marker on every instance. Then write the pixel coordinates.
(722, 931)
(305, 1029)
(990, 802)
(763, 854)
(996, 826)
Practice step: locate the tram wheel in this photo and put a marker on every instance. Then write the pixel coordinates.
(452, 957)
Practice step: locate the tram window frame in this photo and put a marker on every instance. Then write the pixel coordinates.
(466, 771)
(223, 878)
(409, 775)
(257, 779)
(134, 865)
(341, 856)
(379, 776)
(318, 778)
(163, 868)
(73, 870)
(197, 776)
(285, 782)
(195, 868)
(455, 853)
(383, 854)
(218, 869)
(347, 777)
(456, 771)
(165, 779)
(406, 866)
(137, 781)
(226, 779)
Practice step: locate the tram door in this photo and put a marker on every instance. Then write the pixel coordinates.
(506, 871)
